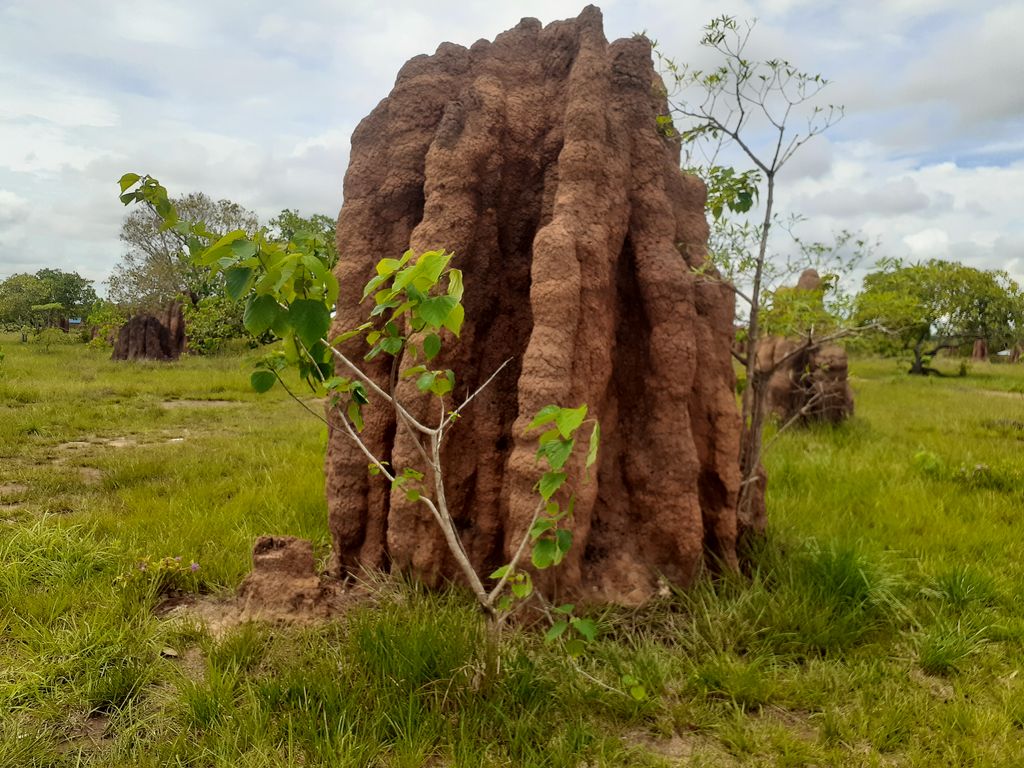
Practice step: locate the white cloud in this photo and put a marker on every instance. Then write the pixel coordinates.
(255, 103)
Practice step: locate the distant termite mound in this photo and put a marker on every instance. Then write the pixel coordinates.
(537, 160)
(807, 382)
(152, 336)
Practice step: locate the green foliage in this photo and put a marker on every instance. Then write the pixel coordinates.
(939, 303)
(161, 577)
(106, 317)
(48, 338)
(70, 290)
(157, 264)
(211, 323)
(315, 233)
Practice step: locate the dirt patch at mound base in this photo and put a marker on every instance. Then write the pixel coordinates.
(282, 588)
(12, 489)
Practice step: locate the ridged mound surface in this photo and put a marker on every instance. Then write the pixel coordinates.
(536, 159)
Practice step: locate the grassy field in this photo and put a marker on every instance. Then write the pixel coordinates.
(884, 624)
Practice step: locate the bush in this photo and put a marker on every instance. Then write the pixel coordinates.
(52, 337)
(213, 322)
(106, 317)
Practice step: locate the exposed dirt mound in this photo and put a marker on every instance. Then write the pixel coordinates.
(537, 159)
(809, 383)
(146, 336)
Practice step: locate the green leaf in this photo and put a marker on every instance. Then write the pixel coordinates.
(523, 589)
(585, 627)
(638, 692)
(563, 540)
(431, 346)
(455, 287)
(454, 320)
(444, 384)
(426, 381)
(237, 281)
(352, 334)
(565, 610)
(416, 370)
(595, 441)
(544, 553)
(575, 647)
(500, 573)
(243, 249)
(387, 267)
(355, 415)
(412, 494)
(544, 415)
(261, 312)
(392, 344)
(310, 319)
(540, 527)
(128, 180)
(373, 285)
(556, 452)
(549, 483)
(568, 420)
(262, 380)
(556, 631)
(436, 309)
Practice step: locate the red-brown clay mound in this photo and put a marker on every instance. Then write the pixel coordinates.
(537, 160)
(146, 336)
(807, 383)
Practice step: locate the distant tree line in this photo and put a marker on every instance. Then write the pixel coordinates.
(156, 267)
(154, 270)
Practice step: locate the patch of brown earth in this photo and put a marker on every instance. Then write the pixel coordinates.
(171, 405)
(683, 748)
(88, 733)
(12, 489)
(283, 587)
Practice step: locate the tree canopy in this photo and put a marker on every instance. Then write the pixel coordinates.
(155, 268)
(936, 304)
(27, 299)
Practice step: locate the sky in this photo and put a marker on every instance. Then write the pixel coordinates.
(256, 102)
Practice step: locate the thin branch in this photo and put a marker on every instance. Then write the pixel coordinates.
(377, 389)
(455, 414)
(300, 401)
(515, 558)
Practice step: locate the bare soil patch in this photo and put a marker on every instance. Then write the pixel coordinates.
(90, 733)
(12, 489)
(220, 615)
(171, 405)
(681, 748)
(90, 475)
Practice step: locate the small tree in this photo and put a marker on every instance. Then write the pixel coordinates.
(936, 305)
(749, 107)
(416, 309)
(155, 268)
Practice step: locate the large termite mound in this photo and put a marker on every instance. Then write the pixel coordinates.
(537, 160)
(152, 336)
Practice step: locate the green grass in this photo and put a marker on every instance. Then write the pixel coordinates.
(882, 623)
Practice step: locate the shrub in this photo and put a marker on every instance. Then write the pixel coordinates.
(213, 322)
